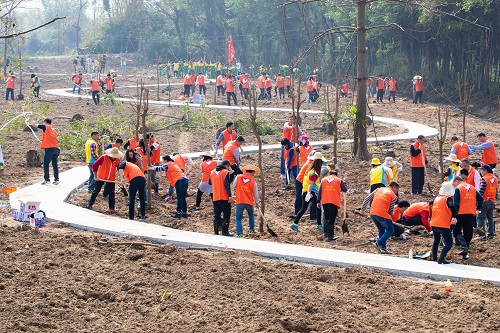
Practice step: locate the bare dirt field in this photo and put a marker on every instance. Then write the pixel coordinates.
(60, 279)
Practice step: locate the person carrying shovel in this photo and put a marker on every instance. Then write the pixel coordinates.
(329, 198)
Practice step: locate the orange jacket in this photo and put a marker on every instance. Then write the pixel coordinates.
(107, 170)
(218, 179)
(382, 202)
(441, 213)
(416, 208)
(489, 154)
(288, 82)
(180, 162)
(286, 155)
(132, 144)
(467, 199)
(49, 138)
(132, 171)
(461, 150)
(419, 85)
(470, 177)
(380, 84)
(187, 80)
(110, 83)
(289, 132)
(392, 85)
(228, 137)
(304, 152)
(419, 160)
(261, 82)
(244, 189)
(219, 80)
(206, 169)
(95, 85)
(490, 192)
(10, 83)
(303, 170)
(201, 80)
(155, 154)
(269, 83)
(144, 158)
(228, 152)
(174, 173)
(310, 86)
(229, 85)
(330, 190)
(280, 82)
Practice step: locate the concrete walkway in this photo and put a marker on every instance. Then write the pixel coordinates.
(52, 198)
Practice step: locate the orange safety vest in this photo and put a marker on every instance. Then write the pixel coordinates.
(107, 170)
(201, 80)
(345, 88)
(49, 138)
(392, 85)
(229, 85)
(380, 84)
(217, 178)
(228, 152)
(245, 83)
(288, 82)
(418, 161)
(289, 132)
(77, 79)
(303, 170)
(228, 137)
(110, 84)
(174, 173)
(269, 84)
(419, 85)
(490, 192)
(470, 177)
(187, 80)
(286, 154)
(132, 143)
(155, 154)
(244, 189)
(441, 213)
(489, 155)
(10, 83)
(467, 199)
(461, 150)
(144, 158)
(219, 80)
(94, 85)
(330, 190)
(180, 162)
(309, 86)
(206, 169)
(304, 152)
(368, 84)
(280, 82)
(416, 208)
(132, 171)
(397, 214)
(382, 202)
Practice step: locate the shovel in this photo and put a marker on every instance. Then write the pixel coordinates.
(269, 230)
(421, 256)
(345, 228)
(427, 177)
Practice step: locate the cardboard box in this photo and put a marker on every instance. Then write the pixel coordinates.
(21, 216)
(29, 206)
(38, 219)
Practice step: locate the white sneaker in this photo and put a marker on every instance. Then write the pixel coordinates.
(282, 176)
(403, 236)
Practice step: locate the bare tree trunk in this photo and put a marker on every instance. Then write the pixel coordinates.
(157, 77)
(464, 92)
(443, 129)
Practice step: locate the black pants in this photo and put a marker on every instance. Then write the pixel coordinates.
(262, 94)
(50, 156)
(268, 93)
(36, 91)
(398, 230)
(246, 91)
(463, 230)
(282, 93)
(330, 215)
(203, 90)
(95, 97)
(221, 207)
(380, 95)
(448, 241)
(199, 194)
(414, 220)
(305, 204)
(10, 92)
(229, 95)
(187, 89)
(236, 171)
(109, 189)
(220, 89)
(418, 97)
(376, 186)
(137, 185)
(417, 180)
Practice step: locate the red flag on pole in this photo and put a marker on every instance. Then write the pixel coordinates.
(230, 51)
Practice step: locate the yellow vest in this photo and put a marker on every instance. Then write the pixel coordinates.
(89, 158)
(378, 175)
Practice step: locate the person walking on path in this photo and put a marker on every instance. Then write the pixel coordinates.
(247, 196)
(489, 155)
(51, 150)
(134, 176)
(10, 85)
(418, 163)
(329, 197)
(443, 216)
(222, 199)
(104, 169)
(459, 148)
(489, 192)
(229, 134)
(35, 85)
(92, 154)
(382, 205)
(77, 82)
(380, 175)
(467, 202)
(207, 165)
(232, 154)
(177, 179)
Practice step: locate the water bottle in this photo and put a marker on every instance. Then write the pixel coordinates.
(410, 254)
(448, 285)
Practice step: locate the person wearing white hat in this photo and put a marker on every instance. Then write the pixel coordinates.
(394, 166)
(453, 169)
(104, 169)
(418, 86)
(443, 215)
(380, 175)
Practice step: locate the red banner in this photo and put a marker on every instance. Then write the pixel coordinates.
(230, 51)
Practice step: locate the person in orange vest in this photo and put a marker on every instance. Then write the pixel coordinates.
(443, 216)
(467, 202)
(187, 84)
(380, 88)
(280, 83)
(290, 159)
(133, 156)
(200, 81)
(177, 179)
(118, 144)
(382, 200)
(77, 82)
(393, 87)
(459, 148)
(132, 142)
(155, 150)
(180, 160)
(104, 170)
(95, 87)
(193, 81)
(418, 161)
(310, 90)
(419, 213)
(370, 88)
(232, 154)
(489, 153)
(229, 134)
(398, 219)
(230, 84)
(419, 89)
(344, 90)
(134, 176)
(110, 84)
(10, 84)
(289, 133)
(288, 83)
(207, 165)
(51, 150)
(220, 179)
(245, 85)
(261, 84)
(247, 196)
(329, 198)
(141, 150)
(473, 177)
(220, 84)
(489, 192)
(269, 87)
(304, 149)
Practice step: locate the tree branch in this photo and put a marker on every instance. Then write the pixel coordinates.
(36, 28)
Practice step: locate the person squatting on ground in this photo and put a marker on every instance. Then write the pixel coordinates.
(222, 199)
(290, 160)
(467, 202)
(489, 192)
(207, 165)
(247, 196)
(51, 150)
(232, 154)
(382, 205)
(443, 216)
(329, 198)
(92, 154)
(418, 163)
(398, 219)
(137, 186)
(104, 169)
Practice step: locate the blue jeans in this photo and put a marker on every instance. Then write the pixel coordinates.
(487, 214)
(50, 156)
(292, 174)
(391, 94)
(10, 92)
(385, 230)
(282, 161)
(239, 215)
(448, 241)
(181, 187)
(91, 179)
(79, 88)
